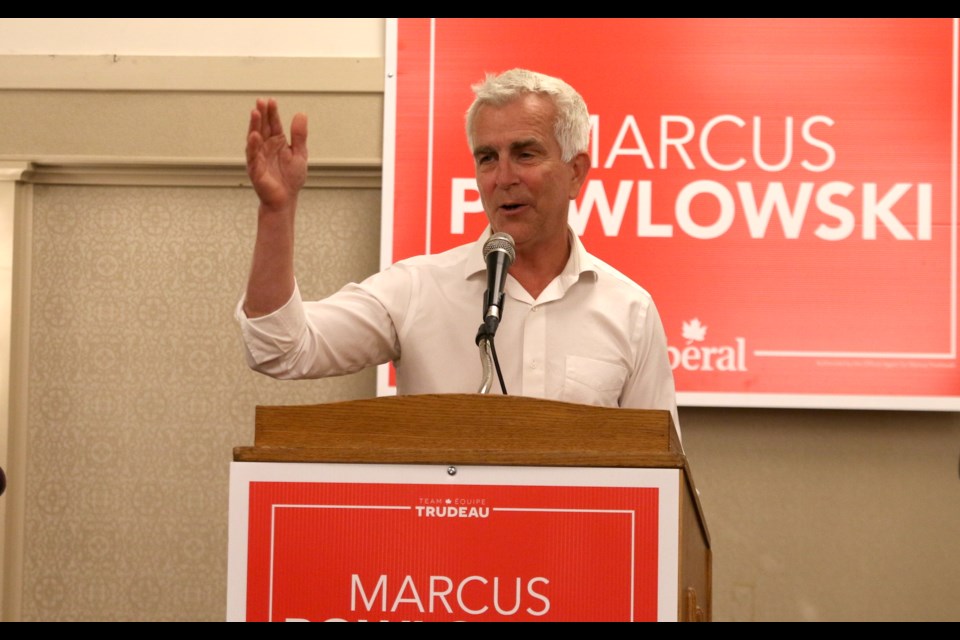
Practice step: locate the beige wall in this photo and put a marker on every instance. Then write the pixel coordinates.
(234, 37)
(127, 388)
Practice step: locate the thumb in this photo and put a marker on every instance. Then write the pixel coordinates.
(298, 135)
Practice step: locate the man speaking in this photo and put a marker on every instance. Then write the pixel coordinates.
(571, 327)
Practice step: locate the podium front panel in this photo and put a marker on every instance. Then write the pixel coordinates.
(370, 542)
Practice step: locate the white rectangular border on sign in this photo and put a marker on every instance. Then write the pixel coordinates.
(666, 481)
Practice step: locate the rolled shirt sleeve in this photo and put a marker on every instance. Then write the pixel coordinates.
(344, 333)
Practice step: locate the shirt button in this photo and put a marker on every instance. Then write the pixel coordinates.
(534, 309)
(533, 364)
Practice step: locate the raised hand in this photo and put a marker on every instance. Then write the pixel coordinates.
(278, 170)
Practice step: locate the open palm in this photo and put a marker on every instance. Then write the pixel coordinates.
(278, 170)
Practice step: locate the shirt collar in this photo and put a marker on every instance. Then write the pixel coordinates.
(580, 261)
(474, 263)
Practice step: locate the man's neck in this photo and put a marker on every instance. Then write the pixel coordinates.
(534, 270)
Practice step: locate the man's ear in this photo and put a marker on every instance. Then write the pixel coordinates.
(580, 164)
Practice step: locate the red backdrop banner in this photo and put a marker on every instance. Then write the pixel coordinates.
(786, 189)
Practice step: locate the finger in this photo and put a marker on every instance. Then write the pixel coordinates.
(255, 131)
(256, 121)
(274, 126)
(298, 135)
(254, 144)
(258, 117)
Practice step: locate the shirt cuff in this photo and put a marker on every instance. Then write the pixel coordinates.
(268, 336)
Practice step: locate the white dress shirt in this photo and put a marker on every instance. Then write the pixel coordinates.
(593, 336)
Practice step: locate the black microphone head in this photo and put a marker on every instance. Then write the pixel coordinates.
(503, 242)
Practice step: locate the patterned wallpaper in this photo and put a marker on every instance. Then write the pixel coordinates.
(138, 390)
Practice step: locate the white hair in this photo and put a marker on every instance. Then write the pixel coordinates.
(572, 125)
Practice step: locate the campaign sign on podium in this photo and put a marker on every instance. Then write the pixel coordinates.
(381, 542)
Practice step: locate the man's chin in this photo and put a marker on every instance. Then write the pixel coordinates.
(515, 231)
(507, 225)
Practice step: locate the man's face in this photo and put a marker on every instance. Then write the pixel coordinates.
(524, 184)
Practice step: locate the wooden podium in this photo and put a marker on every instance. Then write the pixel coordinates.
(477, 436)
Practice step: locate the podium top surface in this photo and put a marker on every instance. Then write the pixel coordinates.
(464, 429)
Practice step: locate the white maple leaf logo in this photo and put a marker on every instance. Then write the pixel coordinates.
(693, 330)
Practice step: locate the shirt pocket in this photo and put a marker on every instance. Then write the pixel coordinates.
(589, 381)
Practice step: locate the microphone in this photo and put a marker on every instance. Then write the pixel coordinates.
(499, 253)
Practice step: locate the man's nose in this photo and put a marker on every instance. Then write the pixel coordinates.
(506, 173)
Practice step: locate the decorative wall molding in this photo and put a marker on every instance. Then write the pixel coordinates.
(160, 172)
(12, 171)
(16, 202)
(191, 73)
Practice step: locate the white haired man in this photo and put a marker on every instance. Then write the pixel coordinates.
(575, 330)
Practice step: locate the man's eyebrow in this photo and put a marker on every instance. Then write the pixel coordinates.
(483, 150)
(523, 144)
(516, 145)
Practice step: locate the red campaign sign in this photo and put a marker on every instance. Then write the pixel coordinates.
(323, 551)
(786, 189)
